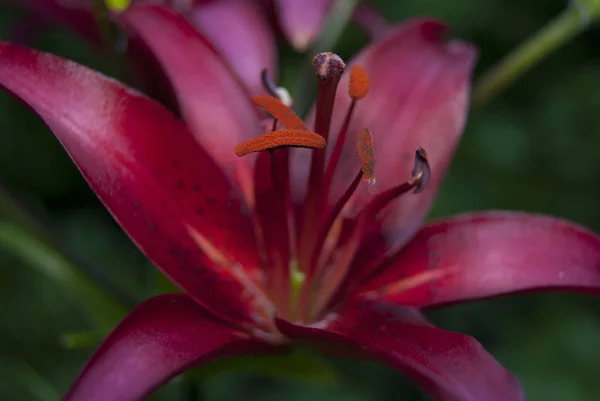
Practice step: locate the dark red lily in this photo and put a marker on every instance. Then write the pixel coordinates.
(249, 36)
(288, 245)
(300, 20)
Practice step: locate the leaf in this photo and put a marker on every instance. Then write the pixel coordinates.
(103, 311)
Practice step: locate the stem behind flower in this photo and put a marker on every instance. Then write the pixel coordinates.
(557, 32)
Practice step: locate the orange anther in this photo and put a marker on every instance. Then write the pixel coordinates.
(300, 138)
(359, 82)
(366, 152)
(279, 110)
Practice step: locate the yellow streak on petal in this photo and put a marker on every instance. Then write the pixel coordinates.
(211, 251)
(407, 284)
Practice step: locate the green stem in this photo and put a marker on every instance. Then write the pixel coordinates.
(557, 32)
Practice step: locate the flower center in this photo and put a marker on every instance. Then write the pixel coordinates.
(308, 247)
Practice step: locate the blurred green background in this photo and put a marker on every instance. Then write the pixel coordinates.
(535, 147)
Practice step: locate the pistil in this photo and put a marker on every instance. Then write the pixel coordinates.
(329, 69)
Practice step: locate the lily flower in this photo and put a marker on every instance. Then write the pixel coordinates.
(300, 20)
(309, 233)
(248, 43)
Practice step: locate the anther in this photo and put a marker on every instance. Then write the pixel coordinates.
(366, 152)
(280, 111)
(282, 138)
(420, 176)
(421, 172)
(268, 83)
(276, 91)
(328, 66)
(359, 83)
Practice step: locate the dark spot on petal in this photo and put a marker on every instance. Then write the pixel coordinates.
(199, 210)
(151, 225)
(200, 269)
(180, 185)
(136, 204)
(196, 187)
(182, 266)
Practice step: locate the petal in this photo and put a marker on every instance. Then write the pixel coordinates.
(159, 339)
(449, 366)
(302, 20)
(217, 109)
(242, 35)
(485, 254)
(371, 21)
(418, 97)
(157, 181)
(69, 13)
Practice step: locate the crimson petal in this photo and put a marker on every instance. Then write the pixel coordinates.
(240, 31)
(449, 366)
(302, 20)
(155, 342)
(485, 254)
(216, 107)
(157, 181)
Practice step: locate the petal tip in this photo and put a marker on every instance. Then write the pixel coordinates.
(432, 30)
(301, 39)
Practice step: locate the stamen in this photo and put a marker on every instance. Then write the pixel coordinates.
(286, 137)
(359, 83)
(359, 231)
(420, 176)
(276, 91)
(366, 152)
(280, 111)
(357, 75)
(421, 171)
(357, 89)
(268, 83)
